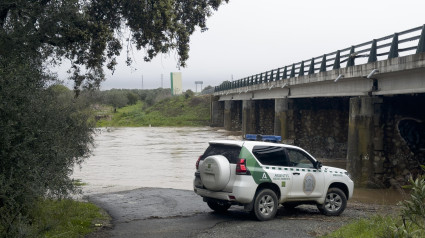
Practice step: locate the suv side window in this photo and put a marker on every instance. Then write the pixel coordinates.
(271, 155)
(299, 159)
(231, 152)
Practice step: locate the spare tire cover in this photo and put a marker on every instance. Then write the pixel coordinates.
(215, 172)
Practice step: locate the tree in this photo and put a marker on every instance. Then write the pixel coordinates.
(132, 98)
(208, 90)
(188, 94)
(116, 98)
(45, 131)
(87, 32)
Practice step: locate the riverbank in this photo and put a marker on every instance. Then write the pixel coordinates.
(182, 110)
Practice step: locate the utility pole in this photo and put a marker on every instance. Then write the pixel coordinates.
(162, 77)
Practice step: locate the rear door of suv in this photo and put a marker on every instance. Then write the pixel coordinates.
(275, 163)
(230, 151)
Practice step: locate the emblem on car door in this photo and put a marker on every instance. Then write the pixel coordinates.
(309, 183)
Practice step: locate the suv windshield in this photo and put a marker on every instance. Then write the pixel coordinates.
(231, 152)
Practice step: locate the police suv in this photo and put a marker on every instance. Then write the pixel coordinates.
(260, 175)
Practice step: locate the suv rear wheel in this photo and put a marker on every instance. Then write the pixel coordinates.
(265, 205)
(335, 202)
(218, 206)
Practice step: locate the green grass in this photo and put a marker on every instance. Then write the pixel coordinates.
(368, 227)
(129, 116)
(378, 226)
(66, 218)
(174, 111)
(79, 183)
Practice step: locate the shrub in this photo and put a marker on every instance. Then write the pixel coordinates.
(412, 212)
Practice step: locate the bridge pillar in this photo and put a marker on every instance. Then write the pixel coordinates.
(232, 115)
(365, 139)
(227, 115)
(284, 118)
(217, 112)
(265, 116)
(248, 117)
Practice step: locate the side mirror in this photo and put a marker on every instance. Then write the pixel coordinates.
(318, 165)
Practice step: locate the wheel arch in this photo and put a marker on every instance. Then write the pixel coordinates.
(341, 186)
(270, 186)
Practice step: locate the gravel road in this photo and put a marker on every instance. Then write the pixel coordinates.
(158, 212)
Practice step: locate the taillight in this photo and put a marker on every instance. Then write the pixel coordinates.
(241, 167)
(197, 162)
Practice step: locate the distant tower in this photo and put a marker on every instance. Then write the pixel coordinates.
(196, 84)
(176, 83)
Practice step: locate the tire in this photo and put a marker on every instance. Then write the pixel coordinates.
(335, 202)
(218, 206)
(265, 205)
(215, 172)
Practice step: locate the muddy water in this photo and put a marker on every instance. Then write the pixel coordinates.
(377, 196)
(128, 158)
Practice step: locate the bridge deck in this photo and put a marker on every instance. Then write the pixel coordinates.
(399, 75)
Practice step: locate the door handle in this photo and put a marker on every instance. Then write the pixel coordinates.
(296, 173)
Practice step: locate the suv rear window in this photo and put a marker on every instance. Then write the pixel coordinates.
(271, 155)
(231, 152)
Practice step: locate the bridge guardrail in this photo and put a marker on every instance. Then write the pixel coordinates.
(370, 50)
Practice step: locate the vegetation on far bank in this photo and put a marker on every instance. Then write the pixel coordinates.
(182, 110)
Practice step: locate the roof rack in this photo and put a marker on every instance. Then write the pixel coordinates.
(266, 138)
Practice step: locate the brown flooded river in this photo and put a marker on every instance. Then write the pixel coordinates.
(165, 157)
(128, 158)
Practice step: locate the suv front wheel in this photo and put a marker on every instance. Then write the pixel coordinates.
(265, 205)
(335, 202)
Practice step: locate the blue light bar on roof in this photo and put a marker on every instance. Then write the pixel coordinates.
(268, 138)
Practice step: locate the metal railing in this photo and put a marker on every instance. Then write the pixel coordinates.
(331, 61)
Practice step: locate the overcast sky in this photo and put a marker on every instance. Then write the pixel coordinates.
(246, 37)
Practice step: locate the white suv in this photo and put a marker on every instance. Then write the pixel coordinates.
(260, 175)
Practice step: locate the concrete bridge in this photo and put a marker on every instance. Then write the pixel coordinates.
(371, 112)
